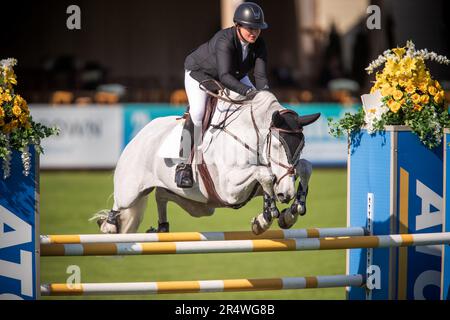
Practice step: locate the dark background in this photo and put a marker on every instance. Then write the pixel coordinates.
(142, 45)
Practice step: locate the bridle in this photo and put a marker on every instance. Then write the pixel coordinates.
(290, 169)
(224, 96)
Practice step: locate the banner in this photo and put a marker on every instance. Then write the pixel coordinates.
(90, 137)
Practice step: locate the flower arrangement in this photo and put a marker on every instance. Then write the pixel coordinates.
(406, 95)
(17, 128)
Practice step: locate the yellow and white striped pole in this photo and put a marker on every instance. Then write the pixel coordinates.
(150, 248)
(200, 236)
(62, 289)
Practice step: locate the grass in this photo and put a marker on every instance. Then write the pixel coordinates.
(68, 200)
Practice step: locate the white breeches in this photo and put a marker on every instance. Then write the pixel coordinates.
(197, 97)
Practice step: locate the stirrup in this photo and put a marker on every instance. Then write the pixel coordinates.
(183, 176)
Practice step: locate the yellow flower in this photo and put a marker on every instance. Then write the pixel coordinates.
(14, 124)
(6, 96)
(394, 106)
(437, 85)
(415, 98)
(399, 52)
(425, 99)
(387, 91)
(397, 94)
(409, 64)
(23, 118)
(2, 112)
(417, 107)
(402, 83)
(439, 97)
(16, 110)
(432, 90)
(423, 87)
(410, 89)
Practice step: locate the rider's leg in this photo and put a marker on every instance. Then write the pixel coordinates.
(192, 130)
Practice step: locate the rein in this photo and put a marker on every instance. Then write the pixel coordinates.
(290, 170)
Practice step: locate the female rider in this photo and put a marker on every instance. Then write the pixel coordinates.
(227, 57)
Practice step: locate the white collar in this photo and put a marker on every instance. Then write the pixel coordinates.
(244, 44)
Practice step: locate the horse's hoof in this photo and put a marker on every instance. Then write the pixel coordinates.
(151, 230)
(109, 228)
(301, 209)
(256, 228)
(287, 219)
(260, 224)
(163, 227)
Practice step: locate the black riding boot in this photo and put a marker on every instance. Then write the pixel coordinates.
(183, 172)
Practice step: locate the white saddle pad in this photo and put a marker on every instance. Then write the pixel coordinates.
(170, 147)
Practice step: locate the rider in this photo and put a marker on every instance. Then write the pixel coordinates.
(227, 57)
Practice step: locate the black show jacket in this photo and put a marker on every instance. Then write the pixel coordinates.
(221, 59)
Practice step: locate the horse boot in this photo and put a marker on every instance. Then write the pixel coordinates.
(162, 227)
(183, 171)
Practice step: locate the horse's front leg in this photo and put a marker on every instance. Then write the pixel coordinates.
(264, 220)
(289, 216)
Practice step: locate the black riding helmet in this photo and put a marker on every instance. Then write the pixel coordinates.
(249, 14)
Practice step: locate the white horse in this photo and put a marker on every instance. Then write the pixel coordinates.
(247, 157)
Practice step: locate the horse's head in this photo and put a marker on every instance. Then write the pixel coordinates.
(285, 142)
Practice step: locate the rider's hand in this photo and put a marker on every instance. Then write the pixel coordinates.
(251, 93)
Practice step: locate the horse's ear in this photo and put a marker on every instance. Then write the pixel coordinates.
(310, 118)
(277, 120)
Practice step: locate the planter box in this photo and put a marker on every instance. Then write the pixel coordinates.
(395, 185)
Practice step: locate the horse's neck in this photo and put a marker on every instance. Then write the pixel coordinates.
(241, 119)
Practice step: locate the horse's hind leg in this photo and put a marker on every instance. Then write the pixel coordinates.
(131, 218)
(163, 196)
(124, 220)
(161, 204)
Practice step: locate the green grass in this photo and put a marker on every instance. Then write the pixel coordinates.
(68, 199)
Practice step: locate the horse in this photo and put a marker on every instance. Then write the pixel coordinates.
(264, 140)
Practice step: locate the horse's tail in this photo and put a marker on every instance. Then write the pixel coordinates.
(100, 215)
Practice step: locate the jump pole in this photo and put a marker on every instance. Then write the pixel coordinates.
(202, 286)
(200, 236)
(230, 246)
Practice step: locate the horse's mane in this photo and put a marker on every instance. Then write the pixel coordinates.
(264, 104)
